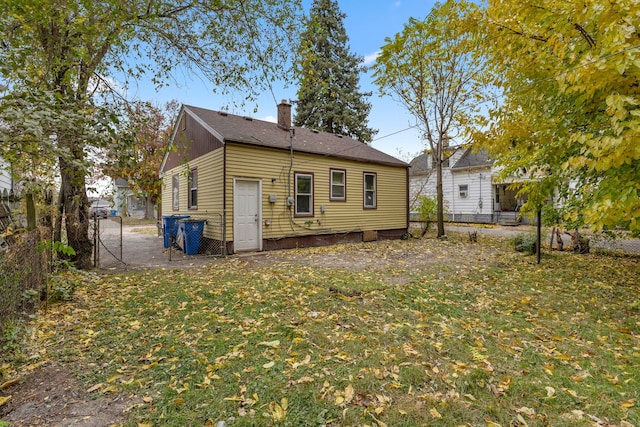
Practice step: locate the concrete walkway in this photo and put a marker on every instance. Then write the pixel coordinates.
(141, 248)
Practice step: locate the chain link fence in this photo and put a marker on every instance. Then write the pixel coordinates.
(196, 234)
(107, 241)
(25, 262)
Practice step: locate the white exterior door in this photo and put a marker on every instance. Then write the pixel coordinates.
(247, 232)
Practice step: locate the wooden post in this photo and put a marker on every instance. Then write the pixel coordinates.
(31, 212)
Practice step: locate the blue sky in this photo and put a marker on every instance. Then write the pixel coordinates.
(367, 24)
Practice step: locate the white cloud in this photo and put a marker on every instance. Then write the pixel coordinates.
(371, 58)
(270, 119)
(397, 4)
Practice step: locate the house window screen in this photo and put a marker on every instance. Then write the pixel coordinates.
(175, 192)
(463, 190)
(338, 185)
(193, 189)
(304, 194)
(370, 190)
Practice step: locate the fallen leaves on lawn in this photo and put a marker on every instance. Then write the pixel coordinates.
(412, 333)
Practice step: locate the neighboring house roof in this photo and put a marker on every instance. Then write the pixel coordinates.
(121, 182)
(259, 133)
(472, 159)
(420, 165)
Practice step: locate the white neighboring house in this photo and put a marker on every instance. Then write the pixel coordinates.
(471, 190)
(126, 202)
(6, 183)
(422, 177)
(6, 203)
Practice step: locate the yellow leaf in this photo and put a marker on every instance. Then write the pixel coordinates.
(526, 411)
(4, 399)
(434, 413)
(339, 400)
(550, 391)
(269, 365)
(179, 401)
(628, 404)
(348, 393)
(278, 412)
(109, 389)
(379, 410)
(94, 388)
(272, 344)
(113, 378)
(9, 383)
(147, 399)
(145, 425)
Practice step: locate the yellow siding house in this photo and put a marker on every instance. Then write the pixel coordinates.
(278, 186)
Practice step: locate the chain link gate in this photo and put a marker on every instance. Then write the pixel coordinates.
(107, 241)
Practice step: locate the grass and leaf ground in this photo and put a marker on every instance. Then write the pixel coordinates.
(400, 333)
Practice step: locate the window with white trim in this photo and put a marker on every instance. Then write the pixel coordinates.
(193, 189)
(338, 185)
(463, 190)
(304, 194)
(370, 190)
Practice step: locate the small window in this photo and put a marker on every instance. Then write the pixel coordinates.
(304, 194)
(463, 190)
(338, 185)
(370, 190)
(175, 192)
(193, 189)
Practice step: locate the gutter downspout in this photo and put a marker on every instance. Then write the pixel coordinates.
(224, 197)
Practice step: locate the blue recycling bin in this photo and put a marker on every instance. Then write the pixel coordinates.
(191, 232)
(170, 227)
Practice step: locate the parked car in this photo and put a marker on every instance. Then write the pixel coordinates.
(99, 209)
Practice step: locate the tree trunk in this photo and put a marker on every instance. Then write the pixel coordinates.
(439, 195)
(148, 210)
(74, 206)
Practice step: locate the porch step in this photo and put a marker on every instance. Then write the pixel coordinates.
(509, 218)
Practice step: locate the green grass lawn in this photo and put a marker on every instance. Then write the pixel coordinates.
(457, 335)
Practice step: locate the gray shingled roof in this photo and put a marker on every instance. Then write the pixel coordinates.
(471, 159)
(267, 134)
(420, 164)
(121, 182)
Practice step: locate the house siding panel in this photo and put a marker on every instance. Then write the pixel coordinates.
(186, 147)
(478, 189)
(339, 217)
(210, 190)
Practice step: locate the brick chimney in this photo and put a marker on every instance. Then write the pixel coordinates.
(284, 115)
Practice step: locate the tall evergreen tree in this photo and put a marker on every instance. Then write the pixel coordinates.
(329, 97)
